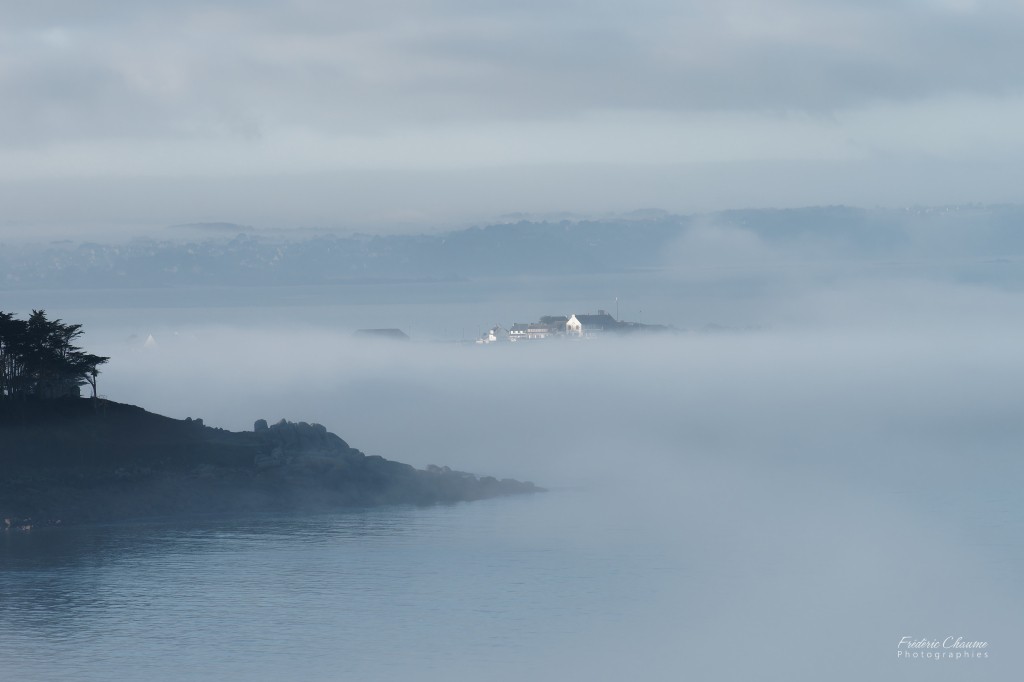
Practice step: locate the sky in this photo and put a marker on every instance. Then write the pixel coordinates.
(417, 114)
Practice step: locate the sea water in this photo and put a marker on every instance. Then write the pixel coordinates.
(556, 586)
(467, 591)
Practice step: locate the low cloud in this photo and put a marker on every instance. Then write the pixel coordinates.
(680, 103)
(810, 491)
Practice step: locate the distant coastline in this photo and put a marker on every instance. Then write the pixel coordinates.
(232, 254)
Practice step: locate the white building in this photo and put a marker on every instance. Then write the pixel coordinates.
(495, 334)
(581, 325)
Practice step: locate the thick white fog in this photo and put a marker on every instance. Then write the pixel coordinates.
(824, 453)
(826, 448)
(833, 471)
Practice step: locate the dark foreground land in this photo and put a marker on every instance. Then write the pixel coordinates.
(79, 460)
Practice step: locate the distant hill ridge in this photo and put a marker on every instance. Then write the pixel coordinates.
(645, 240)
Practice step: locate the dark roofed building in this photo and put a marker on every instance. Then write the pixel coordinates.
(535, 330)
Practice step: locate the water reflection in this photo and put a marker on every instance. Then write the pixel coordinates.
(704, 577)
(53, 577)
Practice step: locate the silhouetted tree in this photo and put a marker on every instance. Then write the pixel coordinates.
(39, 358)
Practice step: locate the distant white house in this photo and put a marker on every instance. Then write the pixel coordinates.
(495, 334)
(581, 325)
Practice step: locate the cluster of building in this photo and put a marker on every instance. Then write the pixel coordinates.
(578, 325)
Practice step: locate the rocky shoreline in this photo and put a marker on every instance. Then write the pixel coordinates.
(81, 461)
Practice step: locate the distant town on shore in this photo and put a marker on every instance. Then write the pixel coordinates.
(577, 325)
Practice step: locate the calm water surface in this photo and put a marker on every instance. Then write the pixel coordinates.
(466, 592)
(546, 587)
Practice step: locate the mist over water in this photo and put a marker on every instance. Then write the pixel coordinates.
(832, 468)
(819, 461)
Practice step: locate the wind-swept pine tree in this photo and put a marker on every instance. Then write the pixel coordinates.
(39, 358)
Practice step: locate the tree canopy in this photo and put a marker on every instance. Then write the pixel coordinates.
(39, 358)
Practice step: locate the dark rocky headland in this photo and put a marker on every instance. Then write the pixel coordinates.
(80, 460)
